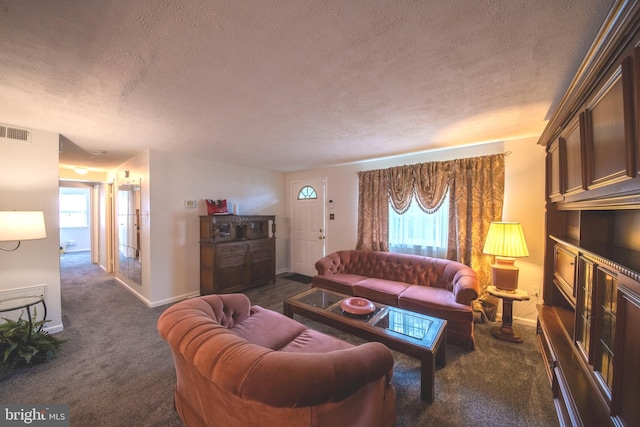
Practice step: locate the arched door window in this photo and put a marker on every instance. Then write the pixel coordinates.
(307, 192)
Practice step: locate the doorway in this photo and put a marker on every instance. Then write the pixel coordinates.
(75, 204)
(308, 232)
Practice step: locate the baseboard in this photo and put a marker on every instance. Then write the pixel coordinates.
(134, 292)
(519, 320)
(160, 303)
(54, 329)
(174, 299)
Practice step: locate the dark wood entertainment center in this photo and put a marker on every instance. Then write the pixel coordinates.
(237, 252)
(589, 324)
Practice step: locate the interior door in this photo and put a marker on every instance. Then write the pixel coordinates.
(308, 234)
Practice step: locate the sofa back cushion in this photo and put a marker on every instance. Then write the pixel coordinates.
(411, 269)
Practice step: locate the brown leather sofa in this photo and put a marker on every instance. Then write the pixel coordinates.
(238, 365)
(432, 286)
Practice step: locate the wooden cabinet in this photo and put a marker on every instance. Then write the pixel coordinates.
(588, 326)
(237, 252)
(609, 134)
(574, 157)
(604, 326)
(565, 271)
(584, 333)
(555, 158)
(592, 140)
(627, 386)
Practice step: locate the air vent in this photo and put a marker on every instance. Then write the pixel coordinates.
(15, 134)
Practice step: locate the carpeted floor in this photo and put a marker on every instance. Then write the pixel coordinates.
(115, 370)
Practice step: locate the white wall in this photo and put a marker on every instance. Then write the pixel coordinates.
(524, 201)
(170, 250)
(342, 188)
(30, 182)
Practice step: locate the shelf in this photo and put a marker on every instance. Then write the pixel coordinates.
(625, 260)
(583, 405)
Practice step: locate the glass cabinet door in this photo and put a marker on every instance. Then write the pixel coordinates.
(606, 297)
(585, 309)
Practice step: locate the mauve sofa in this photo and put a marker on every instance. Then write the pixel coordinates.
(432, 286)
(238, 365)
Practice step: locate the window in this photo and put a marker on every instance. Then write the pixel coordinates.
(74, 208)
(307, 192)
(419, 233)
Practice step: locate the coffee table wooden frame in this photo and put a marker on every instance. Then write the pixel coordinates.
(365, 327)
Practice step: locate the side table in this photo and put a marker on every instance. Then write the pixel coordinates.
(505, 332)
(21, 303)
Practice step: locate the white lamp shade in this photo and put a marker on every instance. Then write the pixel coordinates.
(506, 239)
(21, 225)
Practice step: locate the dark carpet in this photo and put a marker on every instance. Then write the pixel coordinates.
(115, 370)
(297, 277)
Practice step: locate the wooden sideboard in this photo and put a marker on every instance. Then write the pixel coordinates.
(589, 324)
(237, 252)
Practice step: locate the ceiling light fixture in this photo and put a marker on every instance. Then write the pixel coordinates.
(81, 171)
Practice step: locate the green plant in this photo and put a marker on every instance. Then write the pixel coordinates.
(18, 348)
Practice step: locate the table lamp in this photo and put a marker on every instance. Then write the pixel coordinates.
(505, 241)
(21, 225)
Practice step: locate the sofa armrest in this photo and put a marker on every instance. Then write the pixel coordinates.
(283, 379)
(328, 265)
(466, 286)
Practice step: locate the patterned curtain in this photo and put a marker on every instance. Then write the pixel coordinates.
(431, 183)
(476, 196)
(373, 211)
(401, 185)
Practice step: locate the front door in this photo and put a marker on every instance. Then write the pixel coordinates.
(307, 225)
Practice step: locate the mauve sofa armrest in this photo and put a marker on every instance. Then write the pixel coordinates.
(289, 380)
(466, 286)
(328, 265)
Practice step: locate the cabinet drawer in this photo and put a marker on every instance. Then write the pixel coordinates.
(227, 250)
(258, 246)
(565, 271)
(547, 354)
(231, 261)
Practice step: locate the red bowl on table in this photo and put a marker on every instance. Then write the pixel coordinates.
(357, 305)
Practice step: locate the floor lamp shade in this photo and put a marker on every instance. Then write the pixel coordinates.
(505, 240)
(21, 225)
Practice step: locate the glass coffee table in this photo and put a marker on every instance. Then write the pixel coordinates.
(416, 335)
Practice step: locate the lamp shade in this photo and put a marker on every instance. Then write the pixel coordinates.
(21, 225)
(505, 239)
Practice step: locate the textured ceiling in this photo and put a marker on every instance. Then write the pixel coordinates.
(287, 84)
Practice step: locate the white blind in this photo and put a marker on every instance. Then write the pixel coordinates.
(419, 233)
